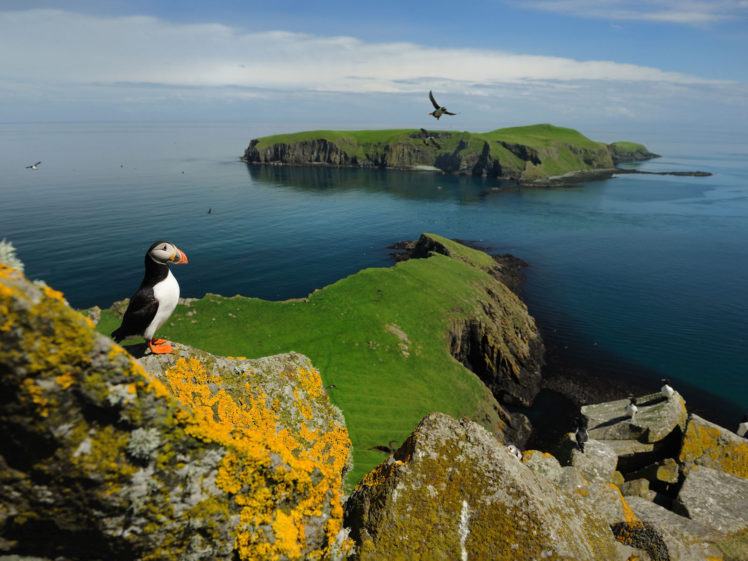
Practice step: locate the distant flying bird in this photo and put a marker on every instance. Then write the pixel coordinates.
(156, 298)
(429, 139)
(210, 211)
(33, 166)
(631, 408)
(666, 390)
(438, 109)
(581, 433)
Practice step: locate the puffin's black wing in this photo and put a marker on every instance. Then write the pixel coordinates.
(139, 314)
(425, 132)
(448, 113)
(431, 97)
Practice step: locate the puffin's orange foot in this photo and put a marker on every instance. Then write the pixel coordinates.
(159, 347)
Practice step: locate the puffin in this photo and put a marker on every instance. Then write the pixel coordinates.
(33, 166)
(743, 427)
(631, 408)
(581, 433)
(155, 299)
(429, 139)
(438, 109)
(666, 390)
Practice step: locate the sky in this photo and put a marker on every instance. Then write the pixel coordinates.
(337, 63)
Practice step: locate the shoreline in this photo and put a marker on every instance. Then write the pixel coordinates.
(571, 379)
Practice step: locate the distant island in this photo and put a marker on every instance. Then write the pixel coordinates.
(535, 155)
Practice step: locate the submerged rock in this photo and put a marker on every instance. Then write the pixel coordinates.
(453, 492)
(200, 458)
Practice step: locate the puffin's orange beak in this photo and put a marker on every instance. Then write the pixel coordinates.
(179, 258)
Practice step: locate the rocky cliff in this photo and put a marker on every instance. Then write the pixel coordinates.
(187, 456)
(663, 486)
(525, 154)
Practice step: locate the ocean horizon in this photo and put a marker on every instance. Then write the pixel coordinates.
(636, 276)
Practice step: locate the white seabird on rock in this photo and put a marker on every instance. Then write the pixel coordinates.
(666, 390)
(631, 408)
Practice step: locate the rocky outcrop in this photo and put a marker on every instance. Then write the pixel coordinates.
(710, 445)
(625, 152)
(192, 457)
(502, 345)
(715, 499)
(452, 491)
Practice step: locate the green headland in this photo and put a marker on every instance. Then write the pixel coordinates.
(385, 340)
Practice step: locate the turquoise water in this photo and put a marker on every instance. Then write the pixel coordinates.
(648, 271)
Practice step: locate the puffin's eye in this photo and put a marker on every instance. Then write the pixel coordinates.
(164, 248)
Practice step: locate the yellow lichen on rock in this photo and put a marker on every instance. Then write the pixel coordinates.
(268, 463)
(710, 445)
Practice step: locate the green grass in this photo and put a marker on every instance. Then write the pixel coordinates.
(624, 146)
(351, 331)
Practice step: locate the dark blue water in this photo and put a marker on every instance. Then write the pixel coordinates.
(648, 270)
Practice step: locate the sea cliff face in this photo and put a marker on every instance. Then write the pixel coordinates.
(524, 153)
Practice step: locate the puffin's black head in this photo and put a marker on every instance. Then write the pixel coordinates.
(166, 253)
(632, 400)
(745, 417)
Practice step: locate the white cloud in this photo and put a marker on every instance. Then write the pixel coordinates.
(62, 63)
(55, 46)
(685, 12)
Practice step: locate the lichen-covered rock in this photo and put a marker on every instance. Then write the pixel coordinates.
(657, 418)
(686, 540)
(715, 499)
(597, 462)
(453, 492)
(664, 471)
(712, 446)
(101, 459)
(638, 488)
(543, 463)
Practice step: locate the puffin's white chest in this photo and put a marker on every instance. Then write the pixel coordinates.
(743, 429)
(166, 293)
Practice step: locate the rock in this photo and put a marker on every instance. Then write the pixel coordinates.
(715, 499)
(543, 463)
(664, 471)
(597, 463)
(638, 488)
(205, 458)
(712, 446)
(453, 492)
(571, 479)
(685, 539)
(657, 418)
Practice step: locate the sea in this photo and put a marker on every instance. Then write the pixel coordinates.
(637, 277)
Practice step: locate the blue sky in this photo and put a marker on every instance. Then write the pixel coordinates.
(509, 62)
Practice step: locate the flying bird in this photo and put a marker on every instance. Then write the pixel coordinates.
(438, 109)
(33, 166)
(429, 139)
(155, 299)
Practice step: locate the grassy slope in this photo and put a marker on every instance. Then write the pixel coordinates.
(347, 331)
(545, 138)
